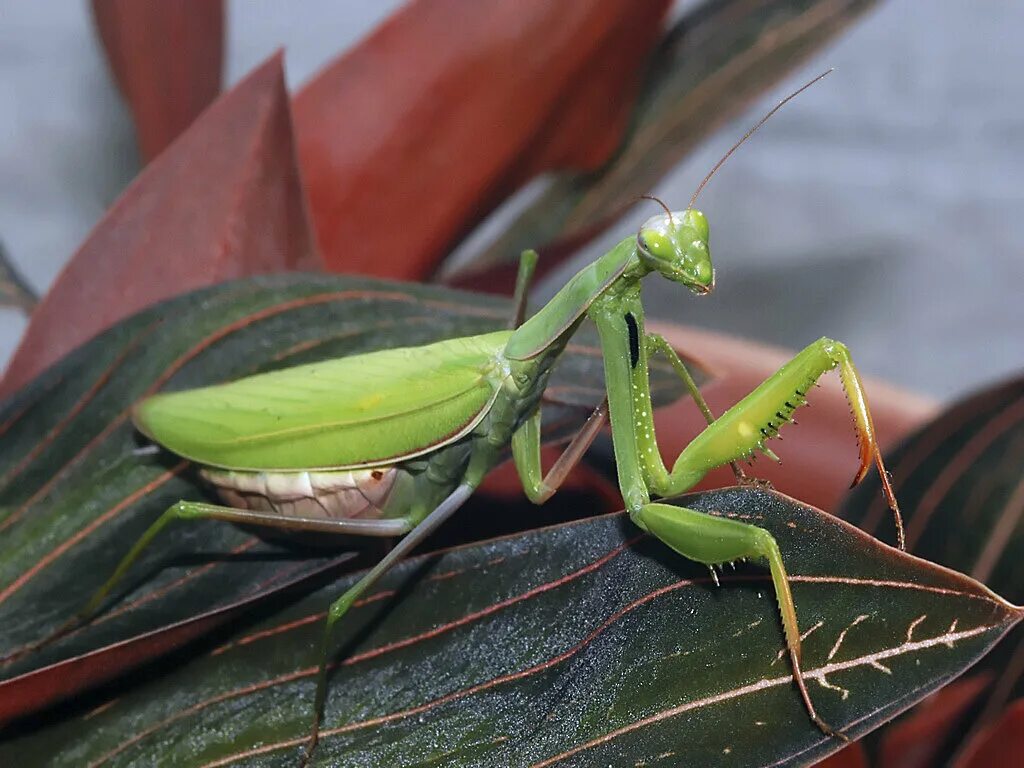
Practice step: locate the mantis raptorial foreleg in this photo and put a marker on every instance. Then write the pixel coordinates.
(657, 343)
(740, 431)
(527, 265)
(339, 607)
(749, 424)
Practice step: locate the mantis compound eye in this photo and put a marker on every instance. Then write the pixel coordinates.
(654, 244)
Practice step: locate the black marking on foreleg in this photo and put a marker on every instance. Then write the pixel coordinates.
(634, 340)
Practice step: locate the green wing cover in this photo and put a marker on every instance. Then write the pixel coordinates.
(352, 411)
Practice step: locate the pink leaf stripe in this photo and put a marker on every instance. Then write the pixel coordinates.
(366, 655)
(958, 464)
(15, 417)
(931, 440)
(77, 408)
(819, 673)
(67, 544)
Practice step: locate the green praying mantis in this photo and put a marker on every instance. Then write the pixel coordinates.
(392, 443)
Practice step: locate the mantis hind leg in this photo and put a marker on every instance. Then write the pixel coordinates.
(339, 607)
(749, 424)
(718, 540)
(195, 510)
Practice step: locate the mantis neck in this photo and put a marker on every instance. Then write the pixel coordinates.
(560, 316)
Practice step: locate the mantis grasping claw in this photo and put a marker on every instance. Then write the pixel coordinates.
(391, 443)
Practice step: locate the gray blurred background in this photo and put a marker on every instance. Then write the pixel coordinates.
(884, 207)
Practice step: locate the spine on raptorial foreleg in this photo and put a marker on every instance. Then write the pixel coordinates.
(747, 426)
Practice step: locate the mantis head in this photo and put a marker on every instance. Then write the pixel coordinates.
(676, 246)
(676, 243)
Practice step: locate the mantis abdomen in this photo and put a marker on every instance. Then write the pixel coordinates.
(345, 494)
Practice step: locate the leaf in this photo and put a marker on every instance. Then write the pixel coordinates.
(580, 645)
(39, 688)
(1000, 744)
(166, 58)
(479, 98)
(223, 202)
(959, 484)
(850, 756)
(75, 492)
(714, 62)
(917, 741)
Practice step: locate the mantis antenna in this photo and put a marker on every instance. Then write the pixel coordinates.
(750, 133)
(660, 202)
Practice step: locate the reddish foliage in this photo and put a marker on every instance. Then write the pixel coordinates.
(224, 201)
(852, 756)
(915, 742)
(433, 129)
(819, 455)
(1001, 745)
(166, 59)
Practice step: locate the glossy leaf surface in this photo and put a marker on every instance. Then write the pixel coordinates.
(580, 645)
(75, 492)
(223, 202)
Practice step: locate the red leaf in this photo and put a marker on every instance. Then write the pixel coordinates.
(166, 58)
(852, 756)
(407, 140)
(223, 201)
(819, 455)
(916, 741)
(1000, 745)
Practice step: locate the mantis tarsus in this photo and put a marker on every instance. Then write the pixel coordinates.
(393, 442)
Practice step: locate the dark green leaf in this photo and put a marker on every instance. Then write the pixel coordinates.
(959, 483)
(75, 492)
(719, 57)
(581, 645)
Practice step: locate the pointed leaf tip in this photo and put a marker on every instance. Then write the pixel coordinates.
(225, 200)
(512, 88)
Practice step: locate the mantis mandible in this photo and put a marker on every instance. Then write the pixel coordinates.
(391, 443)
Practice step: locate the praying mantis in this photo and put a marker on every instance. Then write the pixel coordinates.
(391, 443)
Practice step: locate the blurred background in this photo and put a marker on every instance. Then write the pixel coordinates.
(882, 207)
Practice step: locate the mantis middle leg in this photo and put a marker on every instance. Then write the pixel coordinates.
(339, 607)
(526, 454)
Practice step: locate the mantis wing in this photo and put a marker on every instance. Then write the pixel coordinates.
(375, 408)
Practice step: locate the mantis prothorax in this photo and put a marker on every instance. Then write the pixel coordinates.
(391, 443)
